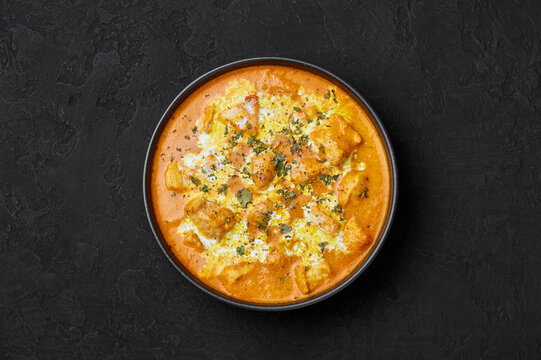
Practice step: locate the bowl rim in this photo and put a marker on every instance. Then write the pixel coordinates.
(270, 60)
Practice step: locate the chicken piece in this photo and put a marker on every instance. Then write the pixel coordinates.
(323, 220)
(231, 116)
(244, 117)
(251, 105)
(237, 156)
(335, 138)
(311, 112)
(276, 256)
(235, 184)
(349, 184)
(282, 145)
(308, 278)
(206, 120)
(297, 116)
(300, 279)
(355, 238)
(262, 170)
(211, 219)
(305, 169)
(281, 85)
(231, 274)
(258, 217)
(250, 121)
(191, 239)
(274, 234)
(294, 205)
(174, 178)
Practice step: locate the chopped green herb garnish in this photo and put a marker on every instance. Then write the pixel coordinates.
(290, 195)
(194, 130)
(286, 131)
(287, 194)
(284, 229)
(334, 96)
(226, 129)
(321, 149)
(204, 188)
(245, 171)
(280, 165)
(296, 147)
(264, 220)
(338, 209)
(297, 109)
(236, 138)
(244, 196)
(327, 179)
(240, 250)
(258, 150)
(238, 135)
(363, 193)
(257, 145)
(322, 245)
(222, 189)
(195, 180)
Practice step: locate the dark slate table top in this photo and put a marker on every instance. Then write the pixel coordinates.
(457, 85)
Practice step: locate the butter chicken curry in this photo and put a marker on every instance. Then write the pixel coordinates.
(270, 184)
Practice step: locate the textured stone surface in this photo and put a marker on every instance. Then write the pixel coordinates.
(83, 84)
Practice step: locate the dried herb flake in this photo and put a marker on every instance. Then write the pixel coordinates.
(240, 250)
(204, 188)
(195, 180)
(244, 196)
(222, 189)
(284, 228)
(363, 193)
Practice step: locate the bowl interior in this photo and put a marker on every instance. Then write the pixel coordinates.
(184, 94)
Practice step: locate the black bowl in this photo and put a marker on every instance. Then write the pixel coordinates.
(269, 61)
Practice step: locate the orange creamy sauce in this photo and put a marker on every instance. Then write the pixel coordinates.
(270, 184)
